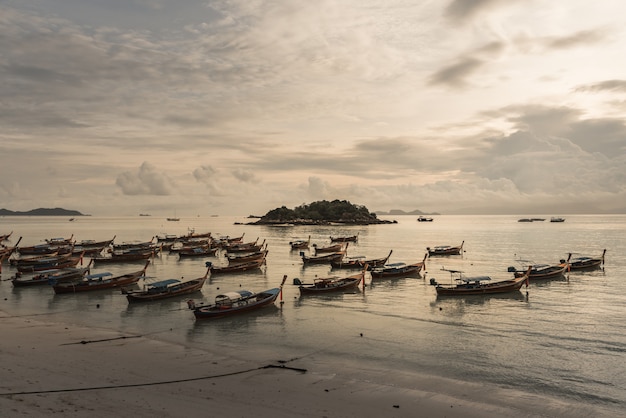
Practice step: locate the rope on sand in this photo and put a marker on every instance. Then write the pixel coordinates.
(164, 382)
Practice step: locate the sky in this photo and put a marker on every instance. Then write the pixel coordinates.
(237, 107)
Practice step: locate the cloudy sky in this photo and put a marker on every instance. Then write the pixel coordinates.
(199, 107)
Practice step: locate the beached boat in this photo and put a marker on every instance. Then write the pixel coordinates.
(424, 219)
(586, 262)
(319, 259)
(478, 285)
(557, 219)
(541, 271)
(322, 285)
(236, 267)
(300, 244)
(442, 250)
(100, 281)
(398, 269)
(49, 277)
(359, 262)
(350, 238)
(165, 289)
(236, 302)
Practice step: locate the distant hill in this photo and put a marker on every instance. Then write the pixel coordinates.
(401, 212)
(41, 212)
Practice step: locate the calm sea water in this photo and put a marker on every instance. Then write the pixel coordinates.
(565, 338)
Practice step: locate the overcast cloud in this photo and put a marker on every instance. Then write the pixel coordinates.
(238, 107)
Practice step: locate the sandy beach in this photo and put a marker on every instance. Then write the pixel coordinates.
(52, 369)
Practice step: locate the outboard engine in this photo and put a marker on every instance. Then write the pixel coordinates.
(208, 264)
(301, 253)
(433, 282)
(511, 269)
(297, 281)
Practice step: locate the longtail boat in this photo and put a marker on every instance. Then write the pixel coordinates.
(445, 250)
(236, 302)
(322, 285)
(542, 271)
(99, 281)
(398, 269)
(165, 289)
(586, 262)
(478, 285)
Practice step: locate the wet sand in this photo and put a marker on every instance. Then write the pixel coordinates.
(51, 369)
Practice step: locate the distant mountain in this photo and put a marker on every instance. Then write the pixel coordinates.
(41, 212)
(401, 212)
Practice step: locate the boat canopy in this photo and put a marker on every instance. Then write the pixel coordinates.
(474, 279)
(398, 265)
(230, 297)
(96, 276)
(164, 283)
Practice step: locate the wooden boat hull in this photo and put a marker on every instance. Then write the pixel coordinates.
(322, 258)
(330, 249)
(543, 274)
(359, 263)
(265, 298)
(407, 270)
(113, 283)
(339, 285)
(185, 289)
(410, 270)
(190, 253)
(235, 259)
(482, 289)
(587, 263)
(352, 238)
(125, 258)
(33, 268)
(236, 268)
(441, 251)
(50, 278)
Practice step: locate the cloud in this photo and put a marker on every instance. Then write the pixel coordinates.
(456, 75)
(205, 173)
(459, 10)
(585, 37)
(210, 177)
(615, 85)
(146, 181)
(245, 176)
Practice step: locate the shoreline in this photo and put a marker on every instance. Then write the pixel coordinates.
(51, 368)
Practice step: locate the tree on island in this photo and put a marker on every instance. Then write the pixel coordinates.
(322, 212)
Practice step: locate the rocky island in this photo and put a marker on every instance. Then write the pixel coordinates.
(41, 212)
(321, 213)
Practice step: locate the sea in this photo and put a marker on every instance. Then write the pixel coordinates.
(564, 338)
